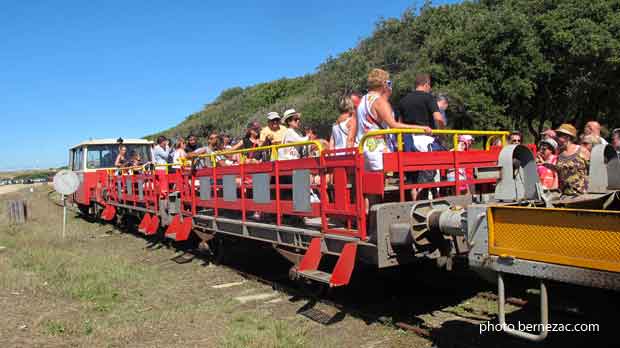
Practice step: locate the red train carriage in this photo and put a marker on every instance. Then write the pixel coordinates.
(305, 208)
(316, 206)
(88, 157)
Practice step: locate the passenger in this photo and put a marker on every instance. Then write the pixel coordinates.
(465, 142)
(549, 133)
(419, 107)
(192, 144)
(594, 128)
(179, 153)
(292, 120)
(515, 138)
(341, 136)
(312, 150)
(546, 160)
(495, 140)
(161, 151)
(587, 143)
(273, 133)
(615, 140)
(571, 167)
(213, 144)
(374, 113)
(135, 159)
(121, 160)
(442, 105)
(251, 140)
(226, 141)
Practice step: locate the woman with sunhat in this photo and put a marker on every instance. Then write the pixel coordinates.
(571, 167)
(292, 121)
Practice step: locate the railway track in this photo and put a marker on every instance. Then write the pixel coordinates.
(437, 305)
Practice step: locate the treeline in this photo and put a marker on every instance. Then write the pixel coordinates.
(505, 64)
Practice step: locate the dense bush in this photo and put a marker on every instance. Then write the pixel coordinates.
(511, 64)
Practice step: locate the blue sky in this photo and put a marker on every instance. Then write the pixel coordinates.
(73, 70)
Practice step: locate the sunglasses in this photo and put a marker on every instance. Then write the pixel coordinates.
(388, 83)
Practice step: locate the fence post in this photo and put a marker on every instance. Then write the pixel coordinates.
(17, 211)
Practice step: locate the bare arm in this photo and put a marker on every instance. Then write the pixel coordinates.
(352, 131)
(237, 146)
(438, 120)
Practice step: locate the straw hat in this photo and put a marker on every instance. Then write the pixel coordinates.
(567, 129)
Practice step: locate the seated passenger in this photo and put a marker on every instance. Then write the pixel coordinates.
(571, 167)
(546, 160)
(292, 120)
(120, 160)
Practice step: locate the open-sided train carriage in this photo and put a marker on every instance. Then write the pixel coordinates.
(315, 206)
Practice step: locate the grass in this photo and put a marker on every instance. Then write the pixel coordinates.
(99, 287)
(262, 330)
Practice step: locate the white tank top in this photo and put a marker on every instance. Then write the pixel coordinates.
(366, 121)
(340, 132)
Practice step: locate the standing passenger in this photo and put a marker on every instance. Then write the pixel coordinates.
(572, 168)
(341, 136)
(274, 131)
(121, 159)
(546, 160)
(442, 105)
(192, 144)
(615, 140)
(375, 113)
(594, 128)
(161, 151)
(292, 120)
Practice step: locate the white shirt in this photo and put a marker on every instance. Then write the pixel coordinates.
(340, 131)
(290, 136)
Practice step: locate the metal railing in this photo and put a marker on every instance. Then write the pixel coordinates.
(455, 135)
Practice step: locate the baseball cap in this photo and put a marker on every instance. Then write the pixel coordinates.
(273, 116)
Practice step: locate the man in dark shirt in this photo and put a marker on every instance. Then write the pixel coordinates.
(192, 144)
(419, 107)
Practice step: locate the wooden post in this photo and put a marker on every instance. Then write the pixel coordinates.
(17, 211)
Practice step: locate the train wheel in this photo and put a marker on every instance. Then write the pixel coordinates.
(217, 247)
(84, 209)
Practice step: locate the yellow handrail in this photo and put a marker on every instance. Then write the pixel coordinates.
(273, 149)
(455, 133)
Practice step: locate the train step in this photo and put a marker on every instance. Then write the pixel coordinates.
(180, 228)
(149, 224)
(308, 267)
(317, 275)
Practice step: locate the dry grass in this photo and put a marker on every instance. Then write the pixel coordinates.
(102, 288)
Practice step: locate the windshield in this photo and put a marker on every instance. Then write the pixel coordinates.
(103, 156)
